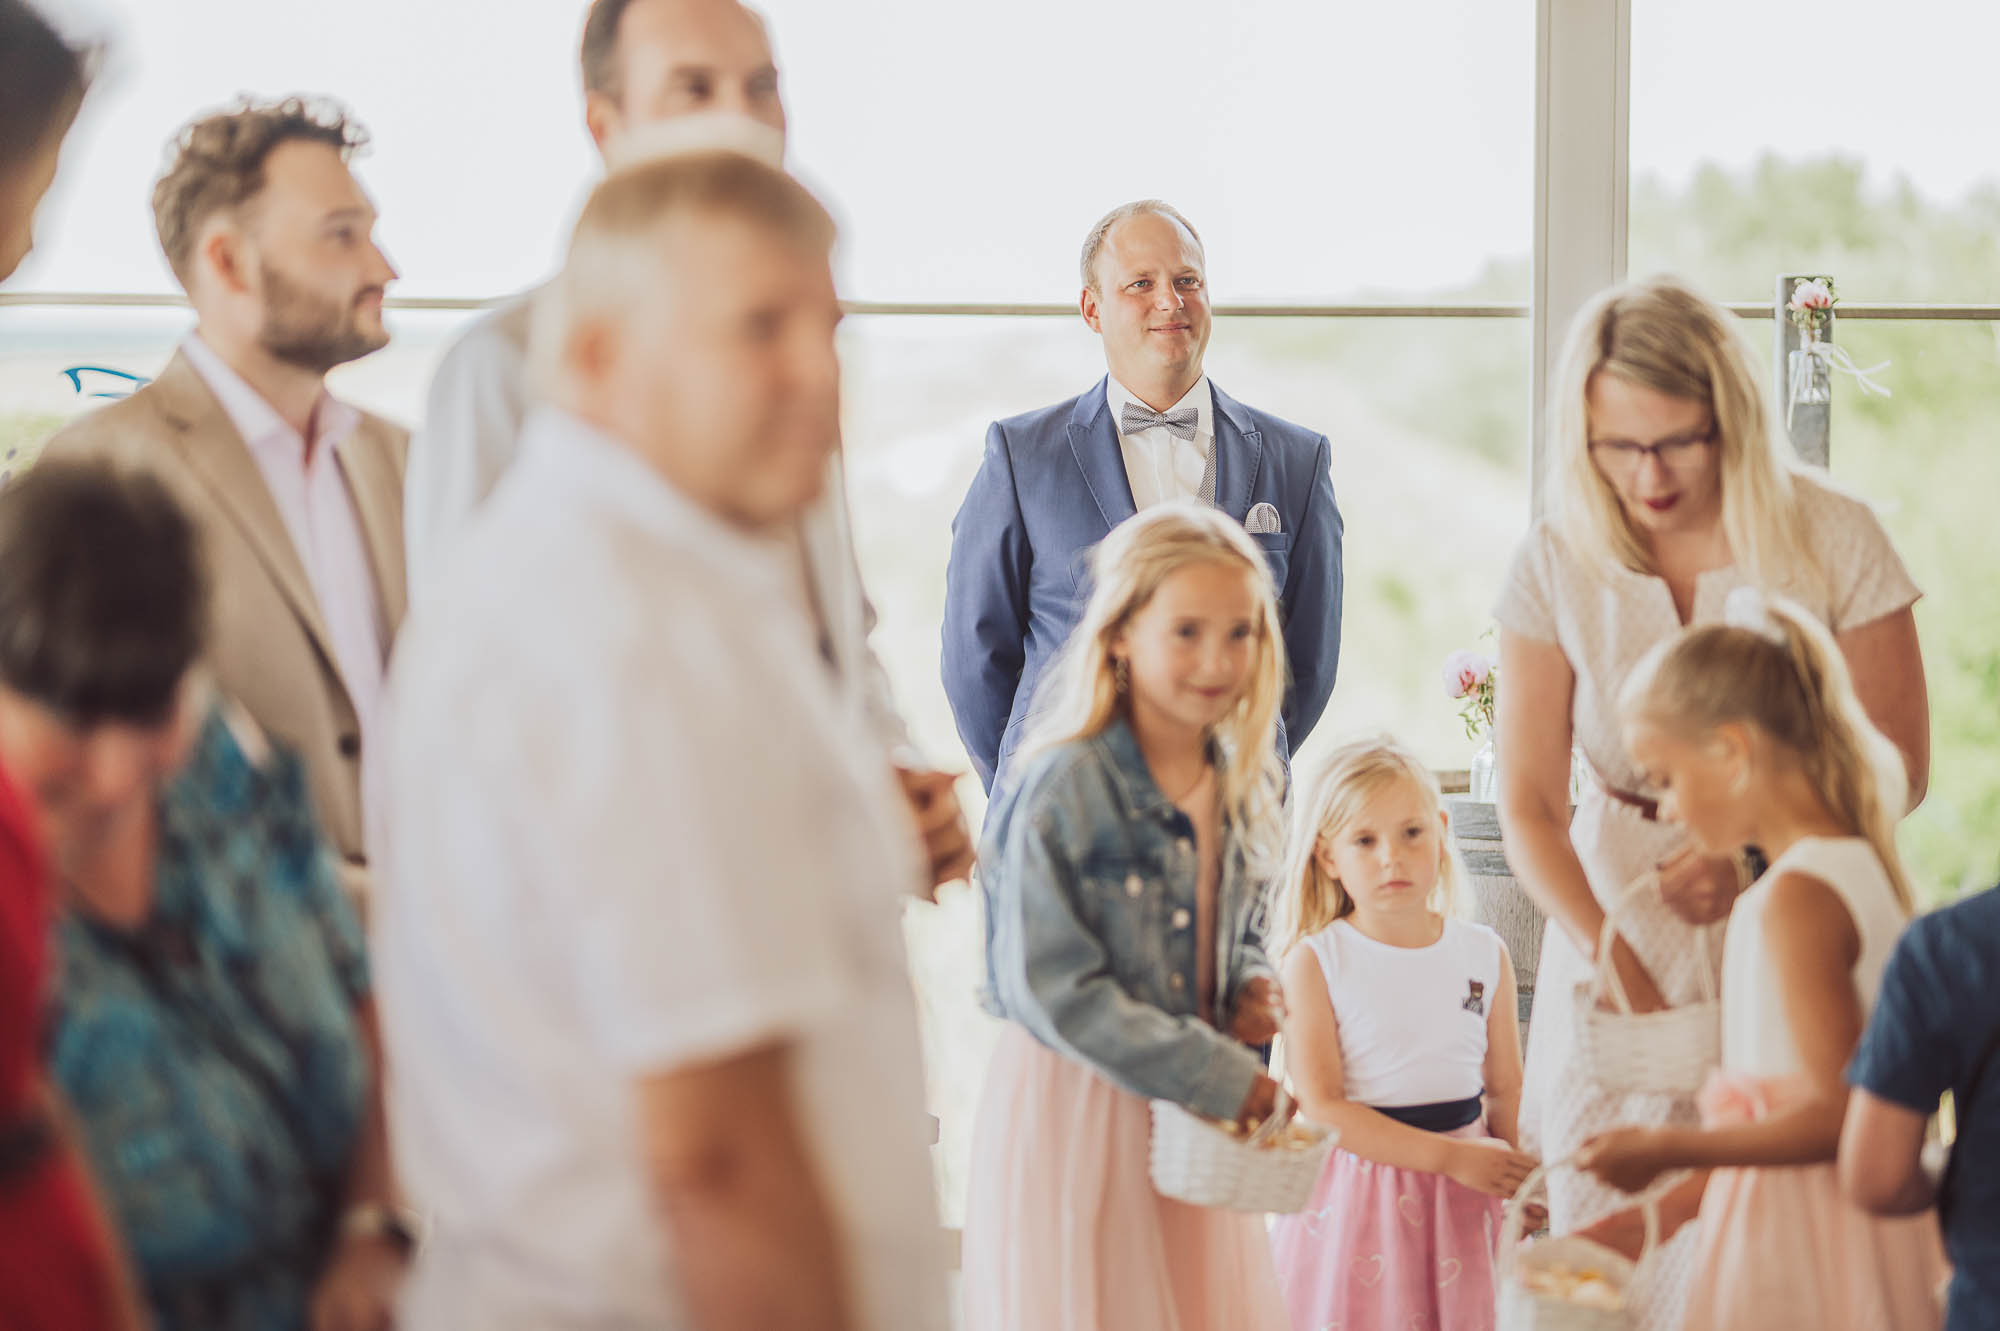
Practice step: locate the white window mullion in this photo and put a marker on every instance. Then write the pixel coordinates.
(1583, 99)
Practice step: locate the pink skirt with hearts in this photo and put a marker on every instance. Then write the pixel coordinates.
(1386, 1249)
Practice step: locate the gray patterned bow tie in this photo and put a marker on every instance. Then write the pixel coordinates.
(1179, 423)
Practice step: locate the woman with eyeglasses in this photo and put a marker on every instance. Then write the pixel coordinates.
(1670, 487)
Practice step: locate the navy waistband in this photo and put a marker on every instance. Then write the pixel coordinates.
(1446, 1116)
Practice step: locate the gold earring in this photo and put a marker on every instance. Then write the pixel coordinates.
(1121, 673)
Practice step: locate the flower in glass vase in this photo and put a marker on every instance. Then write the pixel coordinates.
(1468, 676)
(1811, 306)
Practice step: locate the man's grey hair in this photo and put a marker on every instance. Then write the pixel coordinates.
(1094, 242)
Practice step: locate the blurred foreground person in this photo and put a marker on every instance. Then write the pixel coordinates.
(654, 1035)
(57, 1271)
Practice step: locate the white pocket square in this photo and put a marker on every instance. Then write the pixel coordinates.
(1262, 520)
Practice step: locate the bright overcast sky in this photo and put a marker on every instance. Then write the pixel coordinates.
(1325, 148)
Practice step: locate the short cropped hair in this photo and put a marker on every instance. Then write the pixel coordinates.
(1093, 243)
(602, 72)
(622, 229)
(42, 82)
(103, 592)
(218, 163)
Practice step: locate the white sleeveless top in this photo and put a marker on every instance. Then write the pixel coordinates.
(1756, 1035)
(1412, 1020)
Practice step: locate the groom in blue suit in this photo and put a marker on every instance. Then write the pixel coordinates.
(1055, 482)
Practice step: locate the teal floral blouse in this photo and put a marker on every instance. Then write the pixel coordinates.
(214, 1056)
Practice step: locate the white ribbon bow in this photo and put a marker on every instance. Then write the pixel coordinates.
(1836, 358)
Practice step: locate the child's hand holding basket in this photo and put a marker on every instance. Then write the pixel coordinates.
(1271, 1168)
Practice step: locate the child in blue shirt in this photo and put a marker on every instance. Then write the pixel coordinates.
(1936, 1028)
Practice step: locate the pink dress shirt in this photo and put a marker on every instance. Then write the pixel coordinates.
(311, 493)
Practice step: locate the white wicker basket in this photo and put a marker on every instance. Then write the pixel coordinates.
(1196, 1161)
(1669, 1052)
(1523, 1307)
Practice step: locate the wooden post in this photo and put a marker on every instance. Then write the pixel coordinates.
(1810, 422)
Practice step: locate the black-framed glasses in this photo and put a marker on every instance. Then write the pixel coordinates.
(1623, 455)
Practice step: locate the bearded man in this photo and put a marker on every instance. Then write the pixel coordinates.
(299, 495)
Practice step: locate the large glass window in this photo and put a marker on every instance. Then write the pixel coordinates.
(1323, 151)
(479, 151)
(1771, 139)
(1925, 460)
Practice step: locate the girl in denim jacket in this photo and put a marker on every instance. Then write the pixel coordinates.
(1123, 880)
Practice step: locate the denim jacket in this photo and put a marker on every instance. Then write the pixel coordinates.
(1089, 879)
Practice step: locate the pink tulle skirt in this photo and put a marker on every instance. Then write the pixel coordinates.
(1381, 1247)
(1782, 1247)
(1063, 1231)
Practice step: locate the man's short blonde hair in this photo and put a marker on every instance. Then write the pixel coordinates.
(622, 234)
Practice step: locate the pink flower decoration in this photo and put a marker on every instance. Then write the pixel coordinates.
(1812, 295)
(1465, 671)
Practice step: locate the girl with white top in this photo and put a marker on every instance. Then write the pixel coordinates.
(1752, 733)
(1402, 1034)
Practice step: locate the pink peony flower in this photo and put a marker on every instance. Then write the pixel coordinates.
(1812, 295)
(1465, 671)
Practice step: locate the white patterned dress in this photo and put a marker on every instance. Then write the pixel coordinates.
(1605, 621)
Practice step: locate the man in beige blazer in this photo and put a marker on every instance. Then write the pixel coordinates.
(298, 495)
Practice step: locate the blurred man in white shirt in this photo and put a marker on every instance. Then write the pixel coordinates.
(656, 1046)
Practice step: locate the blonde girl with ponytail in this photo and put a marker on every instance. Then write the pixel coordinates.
(1751, 731)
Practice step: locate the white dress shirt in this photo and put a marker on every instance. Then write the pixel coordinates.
(311, 494)
(632, 825)
(1160, 466)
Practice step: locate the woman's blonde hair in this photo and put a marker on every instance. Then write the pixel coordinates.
(1082, 696)
(1328, 800)
(1663, 335)
(1787, 678)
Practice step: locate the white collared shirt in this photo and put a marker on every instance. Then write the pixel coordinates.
(312, 497)
(631, 825)
(1160, 466)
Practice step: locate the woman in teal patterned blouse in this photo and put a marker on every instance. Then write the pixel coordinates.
(212, 1027)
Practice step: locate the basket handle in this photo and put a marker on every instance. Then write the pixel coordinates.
(1606, 974)
(1280, 1115)
(1515, 1221)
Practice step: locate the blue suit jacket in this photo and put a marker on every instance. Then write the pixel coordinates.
(1051, 486)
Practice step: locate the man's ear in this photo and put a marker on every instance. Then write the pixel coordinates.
(1087, 304)
(591, 349)
(602, 118)
(222, 257)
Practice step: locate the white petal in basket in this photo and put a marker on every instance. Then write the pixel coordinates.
(1196, 1161)
(1569, 1283)
(1534, 1297)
